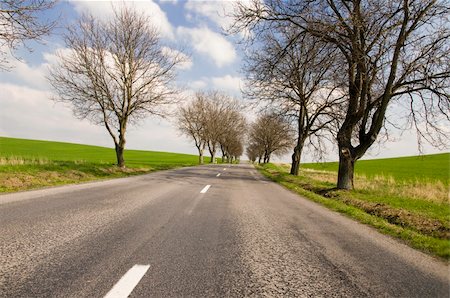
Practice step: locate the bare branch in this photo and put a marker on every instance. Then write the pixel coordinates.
(22, 21)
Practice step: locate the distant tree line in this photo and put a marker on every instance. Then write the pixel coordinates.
(214, 122)
(269, 135)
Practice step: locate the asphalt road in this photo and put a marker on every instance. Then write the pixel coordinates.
(242, 236)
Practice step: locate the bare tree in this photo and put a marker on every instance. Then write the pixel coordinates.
(388, 51)
(252, 154)
(255, 151)
(272, 133)
(232, 140)
(233, 130)
(213, 119)
(22, 21)
(192, 120)
(222, 111)
(235, 148)
(116, 73)
(293, 72)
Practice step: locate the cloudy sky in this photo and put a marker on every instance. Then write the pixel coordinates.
(27, 111)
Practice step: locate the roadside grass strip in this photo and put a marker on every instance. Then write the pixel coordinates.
(128, 282)
(420, 222)
(31, 164)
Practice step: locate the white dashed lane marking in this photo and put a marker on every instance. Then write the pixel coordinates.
(205, 189)
(128, 282)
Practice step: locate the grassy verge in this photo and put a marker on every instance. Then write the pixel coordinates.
(420, 219)
(423, 169)
(30, 164)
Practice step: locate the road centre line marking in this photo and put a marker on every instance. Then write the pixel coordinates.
(218, 175)
(205, 189)
(128, 282)
(224, 169)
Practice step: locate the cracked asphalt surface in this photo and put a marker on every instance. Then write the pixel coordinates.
(245, 236)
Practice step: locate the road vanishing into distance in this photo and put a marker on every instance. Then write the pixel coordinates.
(203, 231)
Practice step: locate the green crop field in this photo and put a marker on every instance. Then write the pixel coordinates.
(435, 167)
(27, 164)
(58, 151)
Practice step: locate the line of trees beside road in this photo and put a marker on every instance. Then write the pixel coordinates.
(357, 57)
(270, 134)
(296, 81)
(335, 69)
(213, 120)
(116, 72)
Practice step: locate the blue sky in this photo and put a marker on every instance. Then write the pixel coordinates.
(28, 111)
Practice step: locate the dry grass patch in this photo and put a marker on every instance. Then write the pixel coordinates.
(435, 192)
(16, 181)
(15, 160)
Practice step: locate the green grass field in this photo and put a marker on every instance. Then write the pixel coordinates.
(434, 167)
(27, 164)
(404, 197)
(58, 151)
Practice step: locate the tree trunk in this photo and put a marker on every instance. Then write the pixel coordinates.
(259, 159)
(296, 157)
(301, 137)
(120, 146)
(266, 157)
(200, 156)
(200, 149)
(346, 168)
(213, 155)
(212, 152)
(119, 154)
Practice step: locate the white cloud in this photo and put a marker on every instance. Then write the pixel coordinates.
(158, 134)
(205, 41)
(218, 12)
(174, 2)
(104, 9)
(228, 83)
(30, 113)
(186, 63)
(26, 74)
(198, 84)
